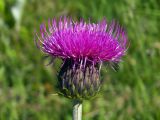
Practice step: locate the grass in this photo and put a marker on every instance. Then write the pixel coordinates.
(27, 85)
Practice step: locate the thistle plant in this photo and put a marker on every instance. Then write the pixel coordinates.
(83, 47)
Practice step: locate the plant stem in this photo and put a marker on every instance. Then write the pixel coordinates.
(77, 110)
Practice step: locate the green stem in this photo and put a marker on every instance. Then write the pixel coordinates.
(77, 110)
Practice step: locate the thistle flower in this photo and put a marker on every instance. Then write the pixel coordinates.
(83, 47)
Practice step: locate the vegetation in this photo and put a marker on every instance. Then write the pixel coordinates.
(28, 87)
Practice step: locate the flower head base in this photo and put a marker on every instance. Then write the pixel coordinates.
(83, 47)
(79, 81)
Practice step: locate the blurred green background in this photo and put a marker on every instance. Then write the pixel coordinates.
(27, 86)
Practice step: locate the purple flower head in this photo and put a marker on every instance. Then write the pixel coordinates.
(97, 42)
(83, 47)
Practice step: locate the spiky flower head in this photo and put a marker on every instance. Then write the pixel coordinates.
(83, 47)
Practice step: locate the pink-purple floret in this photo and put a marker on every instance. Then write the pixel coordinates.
(96, 42)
